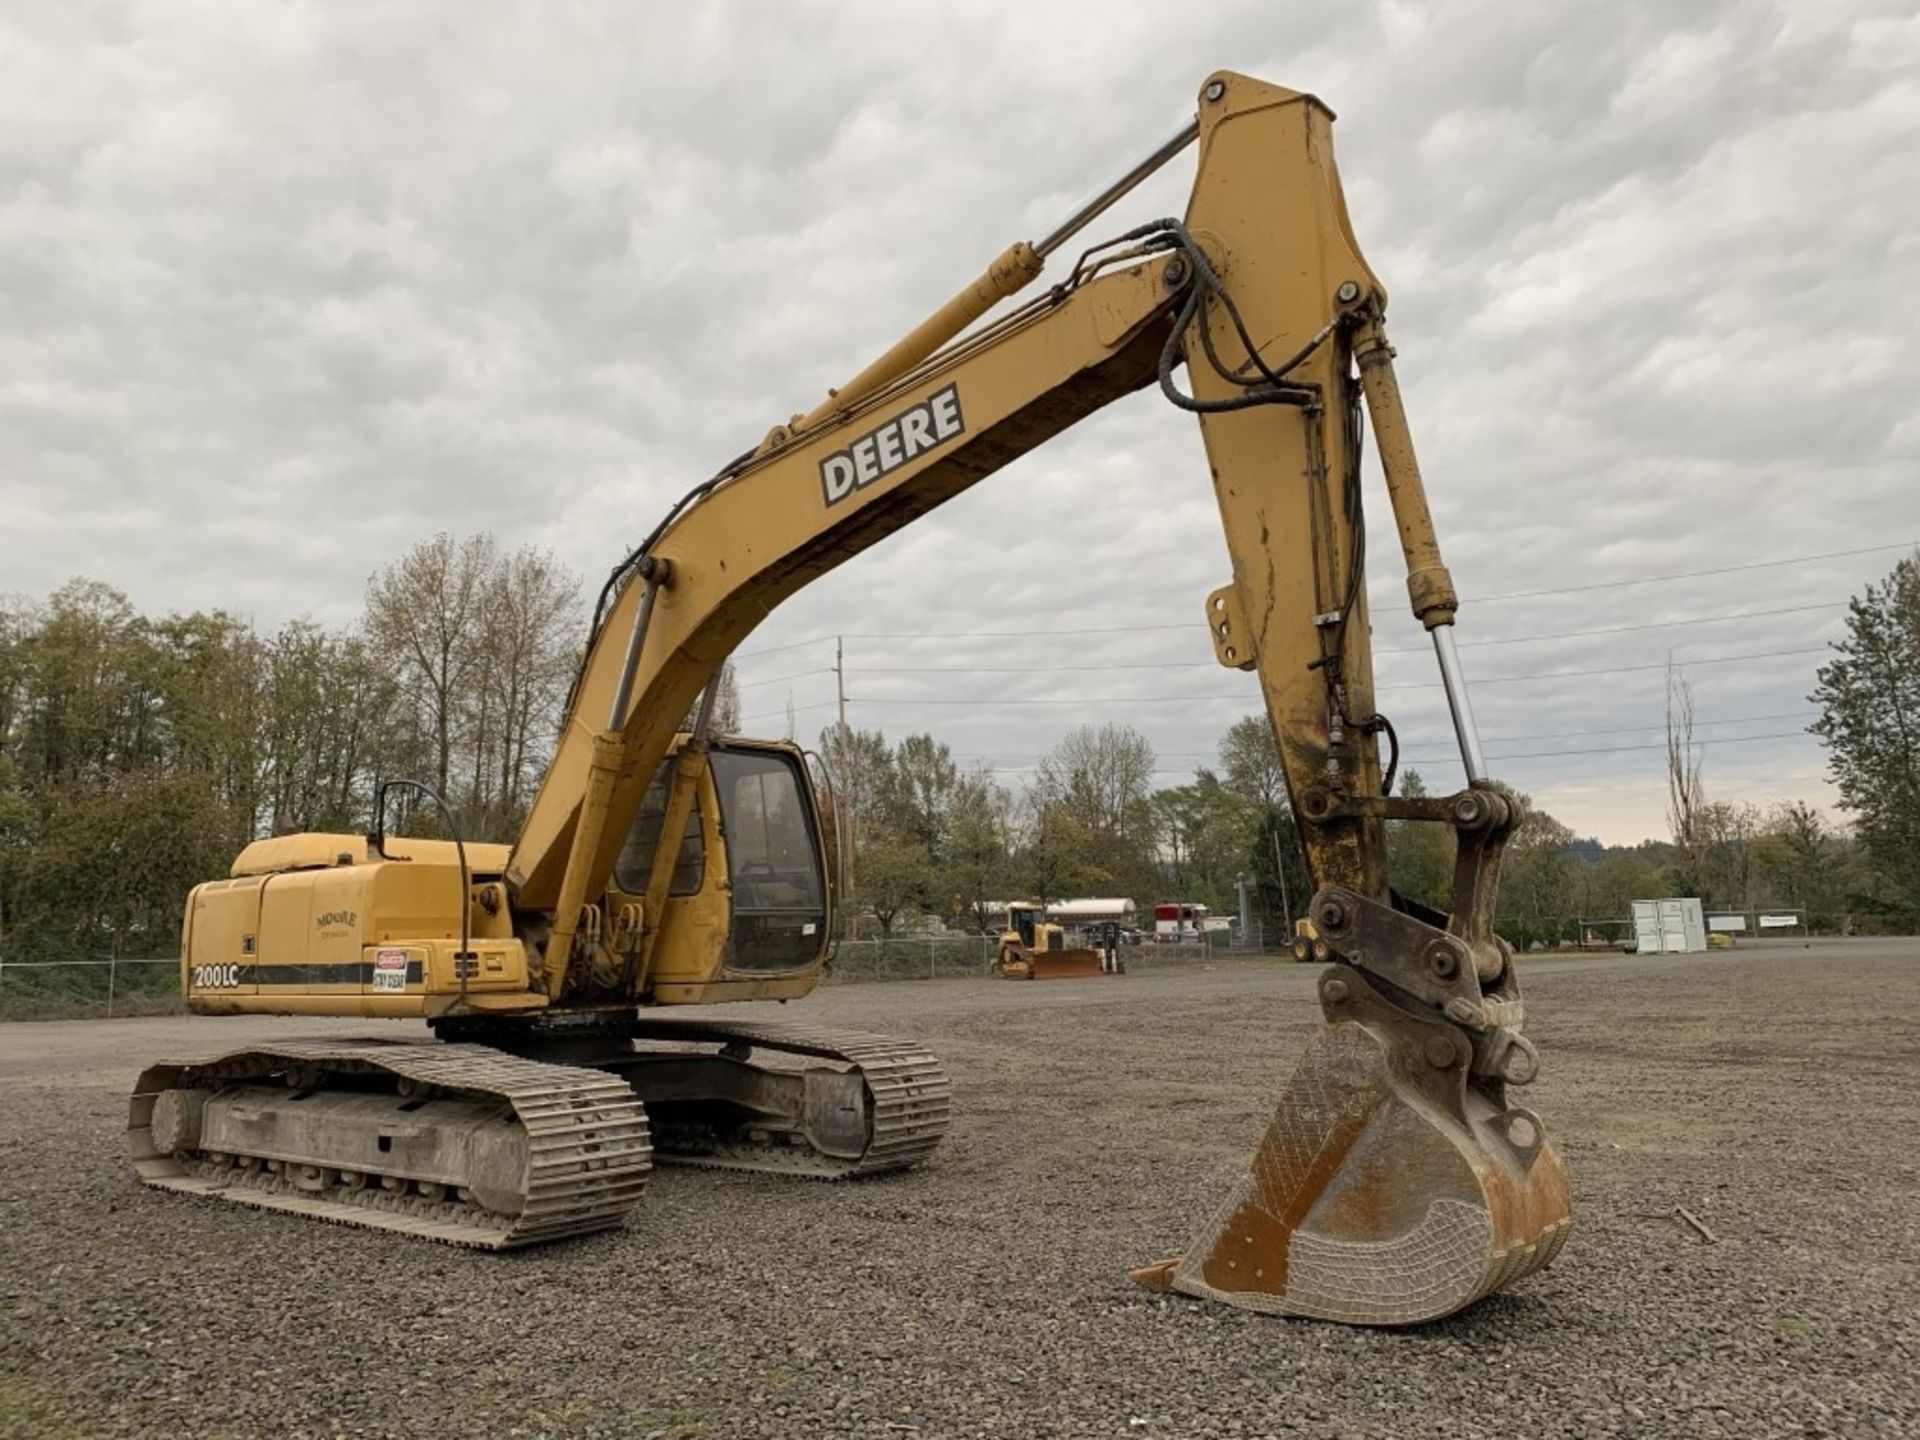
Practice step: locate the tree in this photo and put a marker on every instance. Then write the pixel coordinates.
(859, 764)
(1724, 865)
(896, 877)
(1618, 878)
(976, 873)
(1058, 856)
(1803, 863)
(1420, 854)
(726, 717)
(425, 613)
(1869, 699)
(324, 720)
(128, 767)
(1686, 795)
(206, 674)
(479, 644)
(527, 630)
(83, 712)
(919, 801)
(1103, 775)
(1538, 879)
(1279, 861)
(1092, 827)
(1251, 762)
(1207, 831)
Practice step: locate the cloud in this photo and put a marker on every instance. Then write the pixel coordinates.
(283, 290)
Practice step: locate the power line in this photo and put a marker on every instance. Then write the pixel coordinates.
(1621, 749)
(1520, 755)
(1608, 730)
(1694, 574)
(796, 675)
(981, 702)
(780, 649)
(1469, 601)
(782, 714)
(1401, 650)
(1614, 669)
(1489, 739)
(1022, 634)
(1624, 629)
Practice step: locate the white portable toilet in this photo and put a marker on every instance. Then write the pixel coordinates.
(1673, 927)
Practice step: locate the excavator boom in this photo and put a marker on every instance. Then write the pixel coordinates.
(1397, 1182)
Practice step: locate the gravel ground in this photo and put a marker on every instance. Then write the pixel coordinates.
(1771, 1091)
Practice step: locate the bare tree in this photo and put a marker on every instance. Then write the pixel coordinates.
(1093, 816)
(425, 613)
(1105, 776)
(1686, 794)
(325, 707)
(530, 607)
(726, 703)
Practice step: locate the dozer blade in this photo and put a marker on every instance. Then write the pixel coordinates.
(1068, 965)
(1387, 1190)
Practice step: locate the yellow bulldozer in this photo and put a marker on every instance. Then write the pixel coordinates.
(1034, 948)
(663, 866)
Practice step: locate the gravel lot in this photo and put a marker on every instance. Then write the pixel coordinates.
(1771, 1091)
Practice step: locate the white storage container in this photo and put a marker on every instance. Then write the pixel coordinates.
(1674, 927)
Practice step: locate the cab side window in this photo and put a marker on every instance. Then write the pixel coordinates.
(636, 856)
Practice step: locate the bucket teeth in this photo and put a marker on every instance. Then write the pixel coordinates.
(1368, 1203)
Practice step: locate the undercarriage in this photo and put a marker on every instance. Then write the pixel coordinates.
(539, 1135)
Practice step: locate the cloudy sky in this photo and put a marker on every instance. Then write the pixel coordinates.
(286, 288)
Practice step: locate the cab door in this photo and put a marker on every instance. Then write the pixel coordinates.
(774, 859)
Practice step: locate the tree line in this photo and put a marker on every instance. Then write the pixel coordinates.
(927, 838)
(139, 754)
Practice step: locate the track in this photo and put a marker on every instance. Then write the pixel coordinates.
(908, 1096)
(587, 1147)
(576, 1138)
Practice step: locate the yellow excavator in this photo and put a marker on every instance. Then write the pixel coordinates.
(659, 866)
(1034, 948)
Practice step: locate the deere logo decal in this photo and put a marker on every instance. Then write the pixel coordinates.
(909, 435)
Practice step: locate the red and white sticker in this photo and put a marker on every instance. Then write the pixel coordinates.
(390, 970)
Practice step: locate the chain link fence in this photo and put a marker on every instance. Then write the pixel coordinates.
(115, 986)
(918, 957)
(88, 989)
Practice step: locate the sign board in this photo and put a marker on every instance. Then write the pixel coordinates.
(1729, 924)
(1779, 922)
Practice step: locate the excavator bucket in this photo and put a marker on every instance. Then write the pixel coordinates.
(1387, 1190)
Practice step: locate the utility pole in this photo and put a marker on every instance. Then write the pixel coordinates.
(1280, 874)
(840, 679)
(849, 827)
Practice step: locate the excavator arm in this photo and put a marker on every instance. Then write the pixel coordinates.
(1397, 1182)
(1263, 273)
